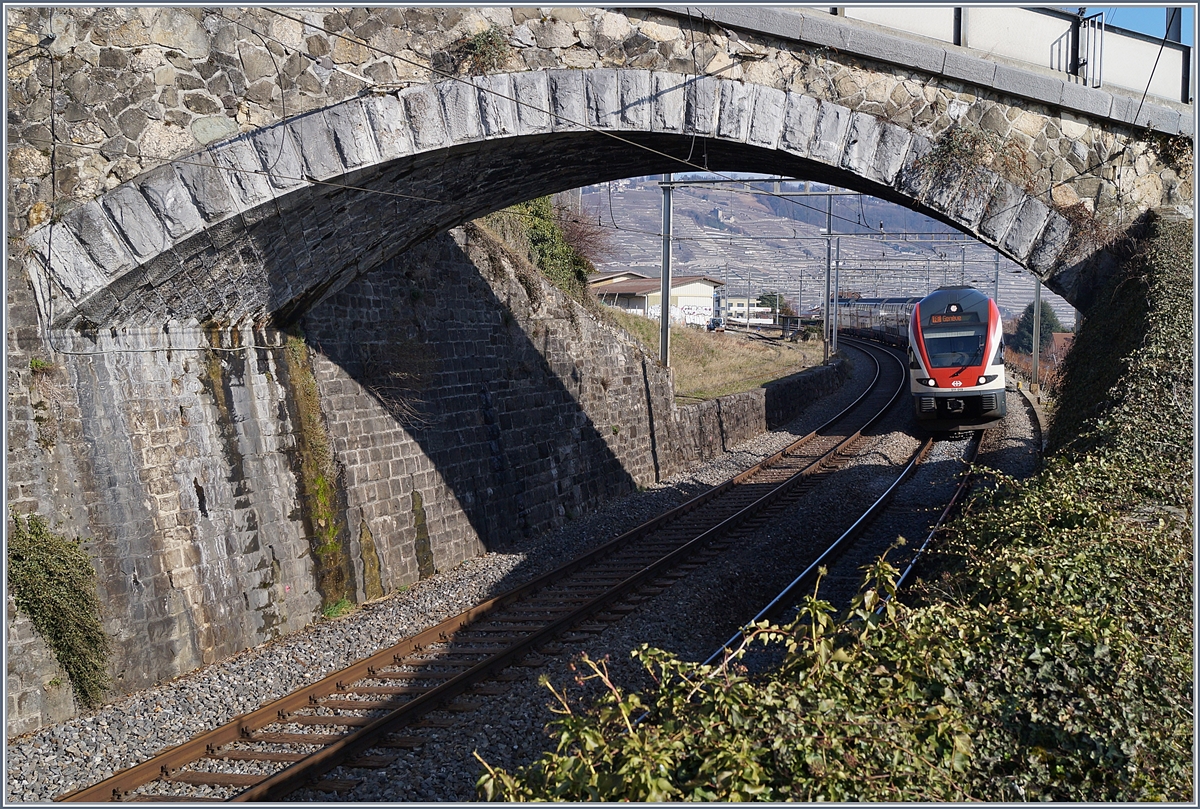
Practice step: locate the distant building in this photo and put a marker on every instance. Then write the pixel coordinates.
(600, 279)
(691, 295)
(1060, 344)
(736, 307)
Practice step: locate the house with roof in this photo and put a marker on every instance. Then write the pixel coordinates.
(691, 295)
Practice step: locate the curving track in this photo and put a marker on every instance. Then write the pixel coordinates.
(357, 717)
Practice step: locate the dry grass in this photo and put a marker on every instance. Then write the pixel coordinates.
(712, 364)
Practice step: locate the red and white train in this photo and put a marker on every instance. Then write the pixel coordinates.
(955, 347)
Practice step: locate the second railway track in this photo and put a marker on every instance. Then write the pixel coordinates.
(358, 717)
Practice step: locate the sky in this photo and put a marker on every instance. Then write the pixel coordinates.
(1150, 20)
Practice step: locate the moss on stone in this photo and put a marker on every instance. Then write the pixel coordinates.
(320, 498)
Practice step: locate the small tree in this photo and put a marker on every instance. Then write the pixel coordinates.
(775, 301)
(1023, 340)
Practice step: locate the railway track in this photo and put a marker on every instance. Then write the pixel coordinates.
(364, 716)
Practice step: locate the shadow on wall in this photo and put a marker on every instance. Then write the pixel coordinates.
(470, 407)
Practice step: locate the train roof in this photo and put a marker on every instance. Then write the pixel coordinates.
(877, 301)
(968, 296)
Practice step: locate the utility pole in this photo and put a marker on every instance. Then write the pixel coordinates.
(828, 272)
(1037, 333)
(664, 340)
(837, 292)
(748, 297)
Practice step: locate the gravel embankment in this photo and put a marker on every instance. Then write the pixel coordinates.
(690, 619)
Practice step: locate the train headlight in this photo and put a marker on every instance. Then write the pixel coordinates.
(983, 380)
(930, 382)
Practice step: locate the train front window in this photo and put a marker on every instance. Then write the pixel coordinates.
(952, 348)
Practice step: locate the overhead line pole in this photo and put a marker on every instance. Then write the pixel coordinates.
(828, 273)
(664, 340)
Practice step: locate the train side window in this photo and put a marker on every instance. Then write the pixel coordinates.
(912, 359)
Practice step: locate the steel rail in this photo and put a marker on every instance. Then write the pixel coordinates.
(296, 775)
(830, 554)
(960, 491)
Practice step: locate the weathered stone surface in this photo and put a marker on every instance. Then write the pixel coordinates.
(1026, 227)
(670, 101)
(176, 29)
(603, 95)
(424, 114)
(737, 99)
(532, 92)
(497, 107)
(861, 141)
(913, 178)
(799, 123)
(635, 99)
(700, 113)
(136, 221)
(890, 152)
(389, 123)
(280, 158)
(67, 262)
(1001, 212)
(1050, 244)
(317, 151)
(766, 124)
(96, 234)
(213, 128)
(460, 103)
(833, 122)
(242, 171)
(352, 134)
(568, 100)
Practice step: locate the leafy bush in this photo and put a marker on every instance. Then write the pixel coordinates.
(1048, 657)
(534, 226)
(51, 579)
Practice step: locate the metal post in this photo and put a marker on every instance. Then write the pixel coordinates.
(962, 272)
(664, 340)
(837, 292)
(1037, 332)
(996, 282)
(828, 272)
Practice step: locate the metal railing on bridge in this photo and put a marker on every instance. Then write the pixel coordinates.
(1078, 45)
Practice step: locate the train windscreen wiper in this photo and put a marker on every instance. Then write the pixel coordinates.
(970, 362)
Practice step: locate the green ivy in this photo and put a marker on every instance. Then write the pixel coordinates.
(52, 580)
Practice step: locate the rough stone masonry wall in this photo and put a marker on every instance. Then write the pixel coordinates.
(465, 404)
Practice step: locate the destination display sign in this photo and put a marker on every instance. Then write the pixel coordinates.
(957, 317)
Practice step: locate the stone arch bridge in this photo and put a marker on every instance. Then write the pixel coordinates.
(340, 139)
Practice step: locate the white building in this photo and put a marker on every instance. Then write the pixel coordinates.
(691, 295)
